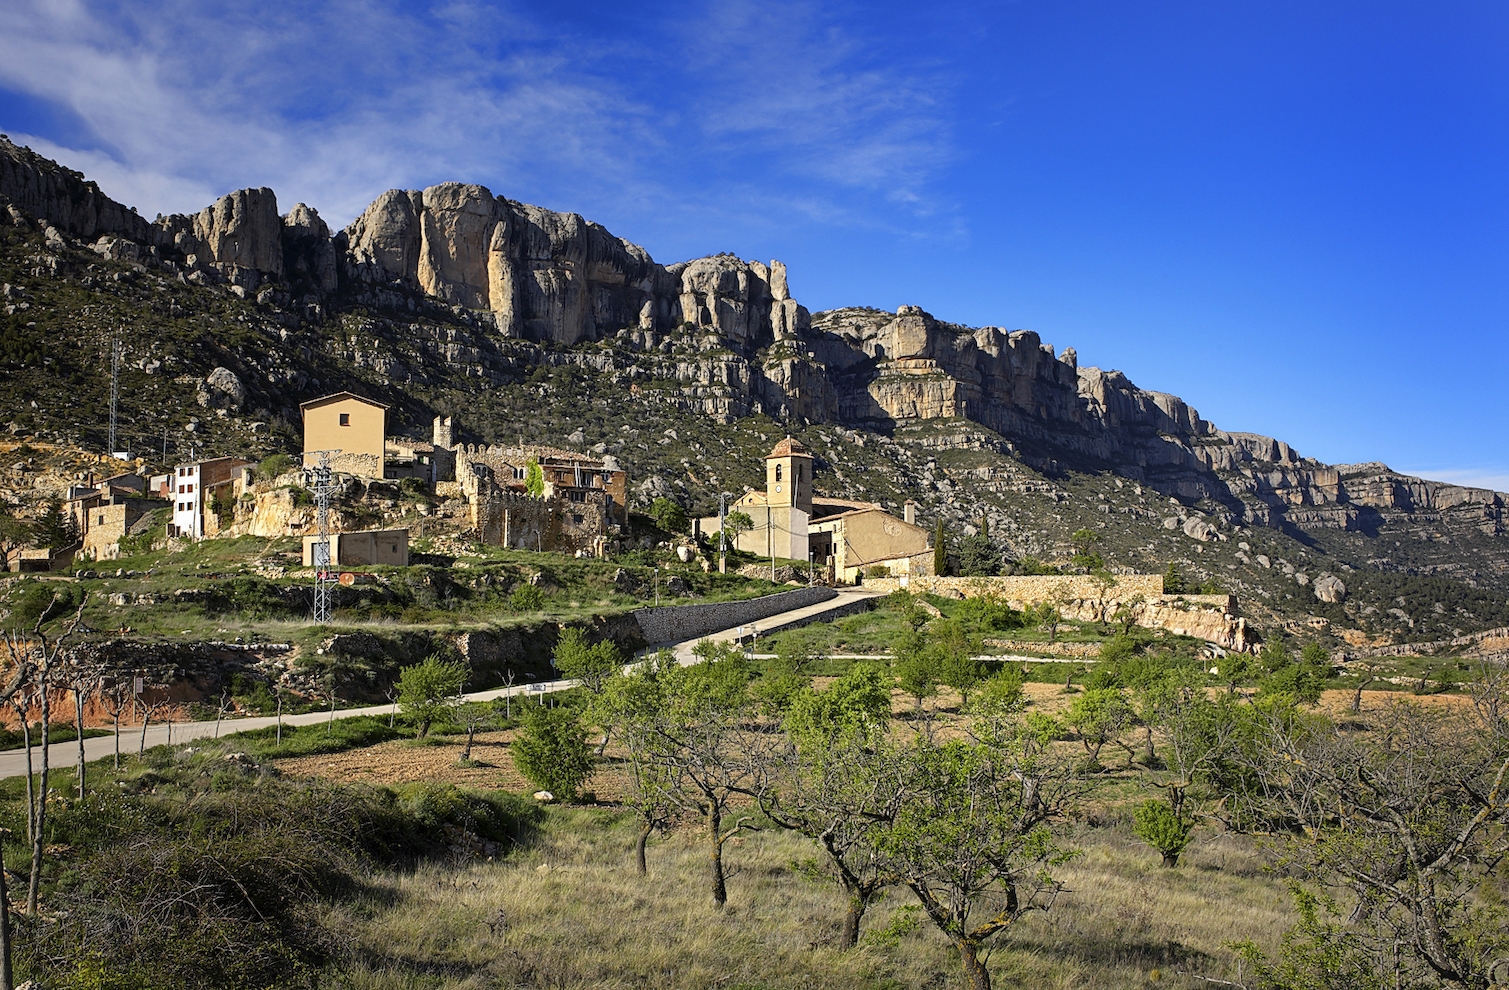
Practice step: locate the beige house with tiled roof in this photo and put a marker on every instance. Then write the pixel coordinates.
(846, 536)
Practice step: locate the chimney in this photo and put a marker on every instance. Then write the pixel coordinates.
(442, 437)
(909, 512)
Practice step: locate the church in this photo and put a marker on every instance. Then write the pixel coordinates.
(846, 539)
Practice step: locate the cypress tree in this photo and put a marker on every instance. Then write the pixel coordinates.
(940, 550)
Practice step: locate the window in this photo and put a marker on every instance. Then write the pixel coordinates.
(345, 419)
(777, 472)
(576, 519)
(102, 519)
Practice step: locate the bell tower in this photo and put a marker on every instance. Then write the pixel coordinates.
(788, 476)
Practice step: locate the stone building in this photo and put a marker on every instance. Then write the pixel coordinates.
(193, 489)
(351, 424)
(363, 548)
(581, 500)
(848, 538)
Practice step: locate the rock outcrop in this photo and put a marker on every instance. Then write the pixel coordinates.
(555, 277)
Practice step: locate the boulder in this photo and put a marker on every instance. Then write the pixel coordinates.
(1329, 588)
(222, 390)
(1199, 529)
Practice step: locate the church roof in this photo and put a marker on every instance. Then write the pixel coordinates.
(789, 448)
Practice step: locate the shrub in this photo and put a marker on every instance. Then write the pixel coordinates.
(669, 516)
(1155, 823)
(552, 751)
(274, 466)
(526, 598)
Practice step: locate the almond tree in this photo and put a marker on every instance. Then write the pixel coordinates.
(1411, 818)
(694, 727)
(839, 781)
(973, 836)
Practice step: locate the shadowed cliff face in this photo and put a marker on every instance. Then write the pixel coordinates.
(728, 329)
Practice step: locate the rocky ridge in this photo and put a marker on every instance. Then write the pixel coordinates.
(452, 284)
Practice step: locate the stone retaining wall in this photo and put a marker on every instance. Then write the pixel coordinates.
(674, 623)
(1024, 589)
(1212, 618)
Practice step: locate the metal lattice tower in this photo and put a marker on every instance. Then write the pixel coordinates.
(322, 486)
(115, 388)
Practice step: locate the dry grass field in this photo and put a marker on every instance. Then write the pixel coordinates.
(568, 911)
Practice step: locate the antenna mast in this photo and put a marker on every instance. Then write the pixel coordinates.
(322, 486)
(115, 387)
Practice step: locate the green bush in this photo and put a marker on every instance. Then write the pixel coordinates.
(552, 752)
(1155, 823)
(526, 598)
(274, 467)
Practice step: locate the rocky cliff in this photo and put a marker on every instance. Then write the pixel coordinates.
(727, 330)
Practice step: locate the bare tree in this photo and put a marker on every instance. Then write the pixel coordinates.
(113, 696)
(474, 716)
(226, 705)
(22, 706)
(148, 709)
(22, 671)
(1408, 817)
(43, 660)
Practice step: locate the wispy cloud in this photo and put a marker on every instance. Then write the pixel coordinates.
(332, 102)
(1494, 479)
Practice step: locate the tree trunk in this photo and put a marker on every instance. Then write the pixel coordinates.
(146, 716)
(31, 800)
(7, 979)
(466, 753)
(849, 937)
(1170, 860)
(974, 970)
(1149, 755)
(714, 826)
(639, 844)
(35, 887)
(78, 726)
(117, 714)
(279, 743)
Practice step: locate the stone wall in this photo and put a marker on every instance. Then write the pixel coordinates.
(1212, 618)
(675, 623)
(1024, 590)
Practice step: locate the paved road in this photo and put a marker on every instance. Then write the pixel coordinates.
(13, 762)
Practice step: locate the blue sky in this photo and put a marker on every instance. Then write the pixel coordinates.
(1294, 215)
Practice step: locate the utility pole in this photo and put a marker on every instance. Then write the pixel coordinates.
(115, 387)
(323, 487)
(770, 541)
(722, 525)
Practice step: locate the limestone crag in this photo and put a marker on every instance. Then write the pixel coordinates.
(555, 277)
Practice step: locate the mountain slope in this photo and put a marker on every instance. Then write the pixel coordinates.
(519, 320)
